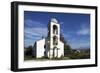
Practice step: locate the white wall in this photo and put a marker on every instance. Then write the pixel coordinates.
(5, 36)
(61, 46)
(40, 48)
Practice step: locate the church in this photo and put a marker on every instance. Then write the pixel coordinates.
(51, 46)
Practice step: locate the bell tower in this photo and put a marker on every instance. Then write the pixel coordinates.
(53, 38)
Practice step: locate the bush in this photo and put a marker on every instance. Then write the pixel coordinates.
(79, 56)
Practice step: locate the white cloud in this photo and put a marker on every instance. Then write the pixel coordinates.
(83, 31)
(36, 31)
(61, 22)
(32, 23)
(34, 34)
(33, 31)
(28, 42)
(80, 44)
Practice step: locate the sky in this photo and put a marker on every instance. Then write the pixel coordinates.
(74, 27)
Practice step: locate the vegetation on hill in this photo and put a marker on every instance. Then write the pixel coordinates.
(74, 53)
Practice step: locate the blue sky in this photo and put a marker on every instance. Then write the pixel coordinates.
(75, 27)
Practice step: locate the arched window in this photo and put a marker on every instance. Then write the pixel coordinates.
(55, 40)
(55, 29)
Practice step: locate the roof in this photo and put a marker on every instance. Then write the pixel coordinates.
(54, 20)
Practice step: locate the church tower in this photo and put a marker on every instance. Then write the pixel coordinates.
(53, 38)
(51, 46)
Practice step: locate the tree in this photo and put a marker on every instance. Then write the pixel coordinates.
(62, 39)
(28, 51)
(67, 47)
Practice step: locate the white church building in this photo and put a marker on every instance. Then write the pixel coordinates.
(51, 46)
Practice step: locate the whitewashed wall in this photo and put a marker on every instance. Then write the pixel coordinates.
(40, 48)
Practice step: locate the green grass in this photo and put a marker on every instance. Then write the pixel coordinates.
(26, 58)
(79, 56)
(66, 57)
